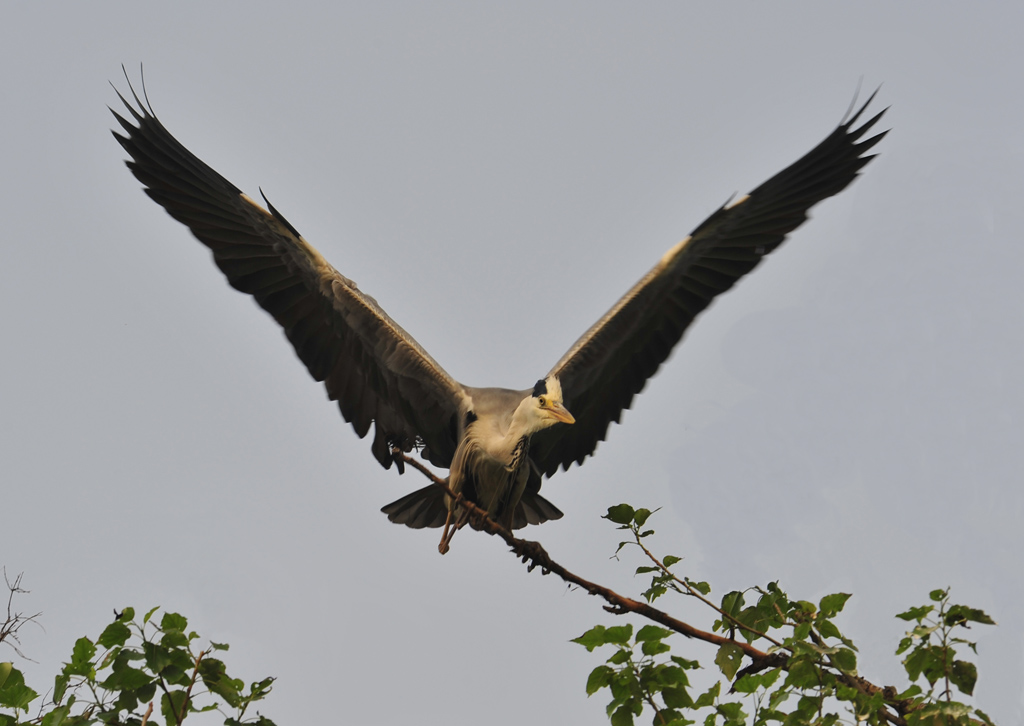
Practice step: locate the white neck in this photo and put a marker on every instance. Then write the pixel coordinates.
(527, 420)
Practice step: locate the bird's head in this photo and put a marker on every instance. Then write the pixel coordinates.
(546, 405)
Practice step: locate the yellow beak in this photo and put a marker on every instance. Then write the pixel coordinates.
(560, 413)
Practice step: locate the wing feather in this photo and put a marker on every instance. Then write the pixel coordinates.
(613, 360)
(375, 370)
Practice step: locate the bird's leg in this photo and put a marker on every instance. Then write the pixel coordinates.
(450, 529)
(446, 535)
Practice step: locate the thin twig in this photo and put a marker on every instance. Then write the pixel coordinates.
(149, 712)
(188, 693)
(14, 621)
(700, 596)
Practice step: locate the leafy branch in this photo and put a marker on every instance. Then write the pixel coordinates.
(109, 680)
(818, 660)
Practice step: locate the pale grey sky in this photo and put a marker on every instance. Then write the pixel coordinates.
(849, 418)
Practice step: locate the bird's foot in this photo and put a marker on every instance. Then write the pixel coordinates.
(533, 554)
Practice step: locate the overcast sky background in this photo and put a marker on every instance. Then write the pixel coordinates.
(849, 418)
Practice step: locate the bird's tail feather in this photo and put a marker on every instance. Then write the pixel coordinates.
(426, 507)
(423, 508)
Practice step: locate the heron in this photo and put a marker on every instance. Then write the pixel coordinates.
(498, 444)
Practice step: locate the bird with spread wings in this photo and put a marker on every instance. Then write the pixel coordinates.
(497, 443)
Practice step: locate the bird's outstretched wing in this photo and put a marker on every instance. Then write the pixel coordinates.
(375, 370)
(611, 363)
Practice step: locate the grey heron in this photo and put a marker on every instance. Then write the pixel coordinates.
(497, 443)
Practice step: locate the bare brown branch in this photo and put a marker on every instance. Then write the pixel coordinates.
(14, 620)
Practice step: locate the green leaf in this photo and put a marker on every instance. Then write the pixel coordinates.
(599, 678)
(728, 659)
(803, 673)
(778, 697)
(961, 615)
(623, 716)
(214, 675)
(916, 662)
(938, 595)
(117, 633)
(618, 634)
(677, 697)
(831, 605)
(60, 685)
(943, 712)
(81, 658)
(733, 712)
(914, 690)
(174, 639)
(149, 615)
(802, 631)
(846, 693)
(55, 717)
(732, 602)
(918, 613)
(845, 660)
(964, 675)
(923, 631)
(749, 683)
(654, 647)
(905, 643)
(173, 621)
(670, 560)
(640, 516)
(828, 629)
(688, 665)
(171, 705)
(708, 697)
(622, 685)
(652, 632)
(620, 514)
(771, 676)
(654, 592)
(126, 678)
(260, 689)
(14, 693)
(702, 587)
(806, 607)
(671, 717)
(157, 657)
(593, 638)
(619, 657)
(983, 716)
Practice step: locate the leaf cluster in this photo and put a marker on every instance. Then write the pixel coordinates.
(636, 678)
(806, 672)
(930, 648)
(116, 678)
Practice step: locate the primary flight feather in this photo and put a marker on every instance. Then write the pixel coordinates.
(497, 443)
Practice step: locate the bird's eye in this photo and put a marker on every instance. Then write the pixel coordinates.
(543, 402)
